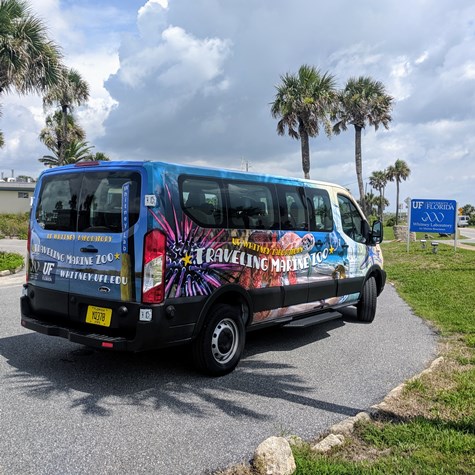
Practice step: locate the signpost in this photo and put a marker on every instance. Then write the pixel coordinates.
(433, 216)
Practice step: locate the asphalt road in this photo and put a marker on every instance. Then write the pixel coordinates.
(65, 409)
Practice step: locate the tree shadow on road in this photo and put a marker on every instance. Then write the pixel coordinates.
(97, 381)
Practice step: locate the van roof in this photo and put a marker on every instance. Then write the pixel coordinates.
(191, 170)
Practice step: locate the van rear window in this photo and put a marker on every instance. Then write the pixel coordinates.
(89, 202)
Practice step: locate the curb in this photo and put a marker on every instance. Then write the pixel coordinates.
(4, 273)
(340, 431)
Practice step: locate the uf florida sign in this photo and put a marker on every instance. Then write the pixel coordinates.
(433, 216)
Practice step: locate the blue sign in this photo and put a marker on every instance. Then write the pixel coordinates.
(433, 216)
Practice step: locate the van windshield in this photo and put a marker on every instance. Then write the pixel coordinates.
(92, 202)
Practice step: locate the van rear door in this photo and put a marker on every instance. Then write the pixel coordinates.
(82, 241)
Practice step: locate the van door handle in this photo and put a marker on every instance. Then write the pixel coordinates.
(88, 249)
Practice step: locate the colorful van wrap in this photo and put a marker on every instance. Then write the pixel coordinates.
(140, 255)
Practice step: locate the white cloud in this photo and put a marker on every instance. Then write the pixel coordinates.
(192, 82)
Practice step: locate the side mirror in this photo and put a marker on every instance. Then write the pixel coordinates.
(376, 233)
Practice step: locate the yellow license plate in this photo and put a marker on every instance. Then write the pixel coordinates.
(99, 316)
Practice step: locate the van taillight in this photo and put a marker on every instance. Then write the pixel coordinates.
(154, 260)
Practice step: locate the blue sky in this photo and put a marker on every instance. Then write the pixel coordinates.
(191, 82)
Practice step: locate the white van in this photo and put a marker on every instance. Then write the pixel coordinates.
(140, 255)
(463, 221)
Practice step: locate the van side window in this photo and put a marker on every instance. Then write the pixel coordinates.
(201, 199)
(293, 214)
(321, 217)
(351, 220)
(251, 206)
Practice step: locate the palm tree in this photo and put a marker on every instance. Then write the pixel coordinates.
(378, 181)
(372, 202)
(77, 151)
(98, 157)
(303, 104)
(398, 172)
(29, 60)
(71, 91)
(362, 102)
(52, 134)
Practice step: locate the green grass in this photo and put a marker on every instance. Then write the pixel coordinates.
(10, 261)
(431, 429)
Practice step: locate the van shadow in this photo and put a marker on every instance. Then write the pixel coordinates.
(97, 381)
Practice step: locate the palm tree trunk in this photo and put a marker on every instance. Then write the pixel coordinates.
(305, 148)
(64, 144)
(397, 200)
(380, 210)
(359, 166)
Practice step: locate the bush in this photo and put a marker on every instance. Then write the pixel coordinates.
(390, 222)
(14, 225)
(10, 261)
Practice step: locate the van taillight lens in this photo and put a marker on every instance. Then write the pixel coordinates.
(154, 260)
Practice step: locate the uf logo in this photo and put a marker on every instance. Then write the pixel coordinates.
(417, 204)
(48, 267)
(47, 272)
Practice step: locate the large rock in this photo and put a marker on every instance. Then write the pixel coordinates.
(274, 457)
(400, 233)
(328, 443)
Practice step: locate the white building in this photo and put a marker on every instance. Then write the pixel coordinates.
(16, 197)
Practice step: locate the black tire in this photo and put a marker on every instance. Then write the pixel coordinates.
(220, 343)
(366, 308)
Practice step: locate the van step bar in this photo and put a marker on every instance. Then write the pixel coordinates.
(313, 320)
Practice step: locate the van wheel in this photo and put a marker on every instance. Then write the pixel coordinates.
(366, 308)
(219, 346)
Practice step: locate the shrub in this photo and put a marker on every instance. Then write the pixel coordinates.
(10, 261)
(390, 222)
(14, 225)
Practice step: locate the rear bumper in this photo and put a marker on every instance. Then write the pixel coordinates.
(162, 331)
(83, 338)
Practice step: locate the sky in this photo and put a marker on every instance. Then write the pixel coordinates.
(192, 82)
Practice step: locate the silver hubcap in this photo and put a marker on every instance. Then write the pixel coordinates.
(225, 341)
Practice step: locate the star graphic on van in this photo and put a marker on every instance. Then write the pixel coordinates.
(186, 260)
(117, 256)
(331, 249)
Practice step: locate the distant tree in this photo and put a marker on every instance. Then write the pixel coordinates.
(362, 102)
(29, 60)
(76, 152)
(25, 179)
(53, 133)
(378, 181)
(372, 203)
(98, 157)
(468, 210)
(70, 91)
(303, 104)
(398, 172)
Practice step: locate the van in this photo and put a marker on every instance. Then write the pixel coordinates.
(135, 256)
(463, 221)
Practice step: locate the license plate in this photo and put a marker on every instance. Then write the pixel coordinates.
(99, 315)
